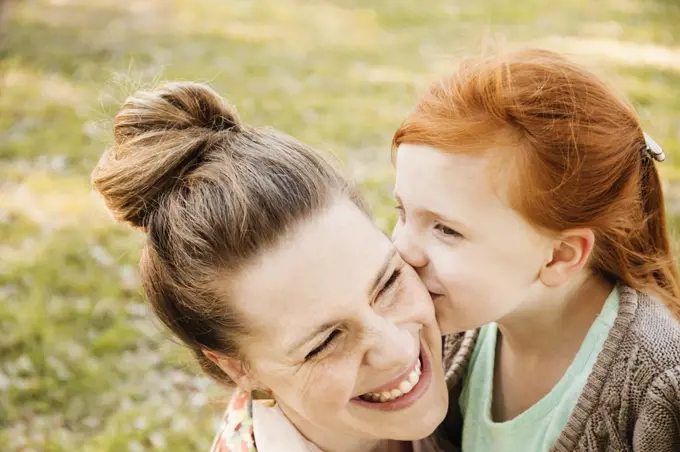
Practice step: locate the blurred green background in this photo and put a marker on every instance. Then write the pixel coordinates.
(82, 364)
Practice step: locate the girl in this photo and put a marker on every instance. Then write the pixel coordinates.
(530, 203)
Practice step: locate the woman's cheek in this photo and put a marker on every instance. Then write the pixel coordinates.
(329, 388)
(412, 302)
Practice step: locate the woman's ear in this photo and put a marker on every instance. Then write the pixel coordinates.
(570, 253)
(235, 369)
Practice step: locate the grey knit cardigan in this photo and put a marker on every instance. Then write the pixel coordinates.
(631, 401)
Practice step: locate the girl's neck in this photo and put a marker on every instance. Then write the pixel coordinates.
(535, 347)
(561, 318)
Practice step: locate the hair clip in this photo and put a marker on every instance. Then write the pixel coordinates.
(653, 149)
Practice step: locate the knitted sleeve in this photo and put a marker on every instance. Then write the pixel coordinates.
(658, 425)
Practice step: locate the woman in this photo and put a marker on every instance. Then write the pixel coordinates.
(259, 257)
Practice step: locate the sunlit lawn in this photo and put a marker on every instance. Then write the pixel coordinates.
(82, 364)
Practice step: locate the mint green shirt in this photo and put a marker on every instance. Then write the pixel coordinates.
(537, 429)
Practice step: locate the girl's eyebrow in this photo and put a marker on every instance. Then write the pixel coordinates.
(434, 213)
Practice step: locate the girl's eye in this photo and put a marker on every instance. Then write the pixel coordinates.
(324, 345)
(446, 230)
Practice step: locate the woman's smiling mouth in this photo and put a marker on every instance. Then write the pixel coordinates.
(402, 392)
(398, 389)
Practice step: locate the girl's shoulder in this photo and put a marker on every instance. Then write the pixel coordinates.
(640, 360)
(637, 376)
(652, 336)
(236, 434)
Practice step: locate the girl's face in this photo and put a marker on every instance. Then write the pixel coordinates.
(343, 332)
(479, 258)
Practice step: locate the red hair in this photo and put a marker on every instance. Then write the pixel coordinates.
(578, 148)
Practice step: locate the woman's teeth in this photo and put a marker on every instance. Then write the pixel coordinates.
(404, 388)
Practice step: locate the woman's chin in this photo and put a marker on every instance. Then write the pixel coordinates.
(412, 416)
(412, 429)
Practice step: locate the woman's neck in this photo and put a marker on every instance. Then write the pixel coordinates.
(383, 445)
(346, 445)
(323, 440)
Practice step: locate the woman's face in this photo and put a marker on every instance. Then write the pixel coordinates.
(344, 333)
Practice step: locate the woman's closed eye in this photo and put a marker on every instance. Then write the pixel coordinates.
(390, 282)
(331, 338)
(324, 345)
(383, 297)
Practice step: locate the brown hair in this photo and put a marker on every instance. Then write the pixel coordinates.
(578, 149)
(211, 194)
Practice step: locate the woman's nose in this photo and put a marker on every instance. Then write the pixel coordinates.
(407, 246)
(393, 347)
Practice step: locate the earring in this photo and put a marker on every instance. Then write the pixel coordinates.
(263, 397)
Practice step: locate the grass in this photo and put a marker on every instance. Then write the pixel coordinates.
(83, 366)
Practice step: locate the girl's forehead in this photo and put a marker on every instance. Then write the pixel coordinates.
(470, 190)
(435, 179)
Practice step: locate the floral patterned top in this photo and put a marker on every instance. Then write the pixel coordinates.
(237, 432)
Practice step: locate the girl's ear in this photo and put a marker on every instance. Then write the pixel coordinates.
(570, 253)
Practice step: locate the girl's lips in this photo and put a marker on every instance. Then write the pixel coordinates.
(410, 398)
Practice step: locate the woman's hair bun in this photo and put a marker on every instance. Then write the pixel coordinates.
(159, 136)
